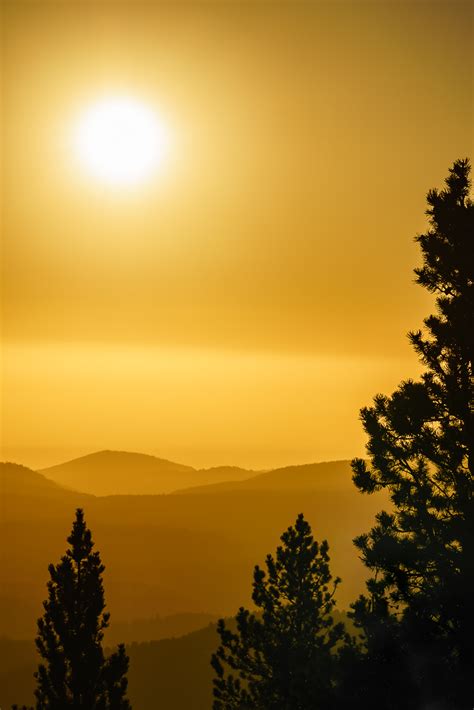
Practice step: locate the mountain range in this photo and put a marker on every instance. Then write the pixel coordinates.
(189, 552)
(177, 671)
(174, 561)
(127, 473)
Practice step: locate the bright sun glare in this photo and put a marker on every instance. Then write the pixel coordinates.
(120, 141)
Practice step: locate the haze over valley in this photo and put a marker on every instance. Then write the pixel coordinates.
(174, 561)
(237, 357)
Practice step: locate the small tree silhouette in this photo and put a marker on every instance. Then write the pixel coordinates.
(282, 658)
(75, 672)
(421, 447)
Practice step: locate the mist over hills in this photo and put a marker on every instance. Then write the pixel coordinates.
(326, 476)
(126, 473)
(179, 553)
(177, 671)
(173, 563)
(17, 480)
(156, 628)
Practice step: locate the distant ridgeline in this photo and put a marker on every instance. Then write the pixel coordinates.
(122, 472)
(223, 529)
(174, 563)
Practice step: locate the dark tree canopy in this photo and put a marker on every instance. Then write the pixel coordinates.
(75, 673)
(282, 657)
(421, 449)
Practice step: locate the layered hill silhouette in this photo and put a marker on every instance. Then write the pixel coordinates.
(17, 480)
(126, 473)
(174, 671)
(156, 628)
(330, 476)
(183, 553)
(177, 671)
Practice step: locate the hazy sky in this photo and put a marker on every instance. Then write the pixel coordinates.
(242, 305)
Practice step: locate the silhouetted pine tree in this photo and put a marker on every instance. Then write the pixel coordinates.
(419, 612)
(75, 673)
(282, 657)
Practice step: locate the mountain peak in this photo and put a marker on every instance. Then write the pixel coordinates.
(109, 472)
(16, 479)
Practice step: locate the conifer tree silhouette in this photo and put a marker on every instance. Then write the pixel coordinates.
(418, 613)
(282, 657)
(75, 673)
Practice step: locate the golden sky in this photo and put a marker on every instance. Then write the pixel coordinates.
(244, 303)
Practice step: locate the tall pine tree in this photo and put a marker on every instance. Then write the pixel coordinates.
(419, 613)
(75, 673)
(282, 657)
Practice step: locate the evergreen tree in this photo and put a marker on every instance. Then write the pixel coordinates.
(75, 673)
(281, 658)
(421, 448)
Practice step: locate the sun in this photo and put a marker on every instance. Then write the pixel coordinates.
(120, 141)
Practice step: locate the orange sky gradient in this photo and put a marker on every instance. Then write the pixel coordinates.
(242, 305)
